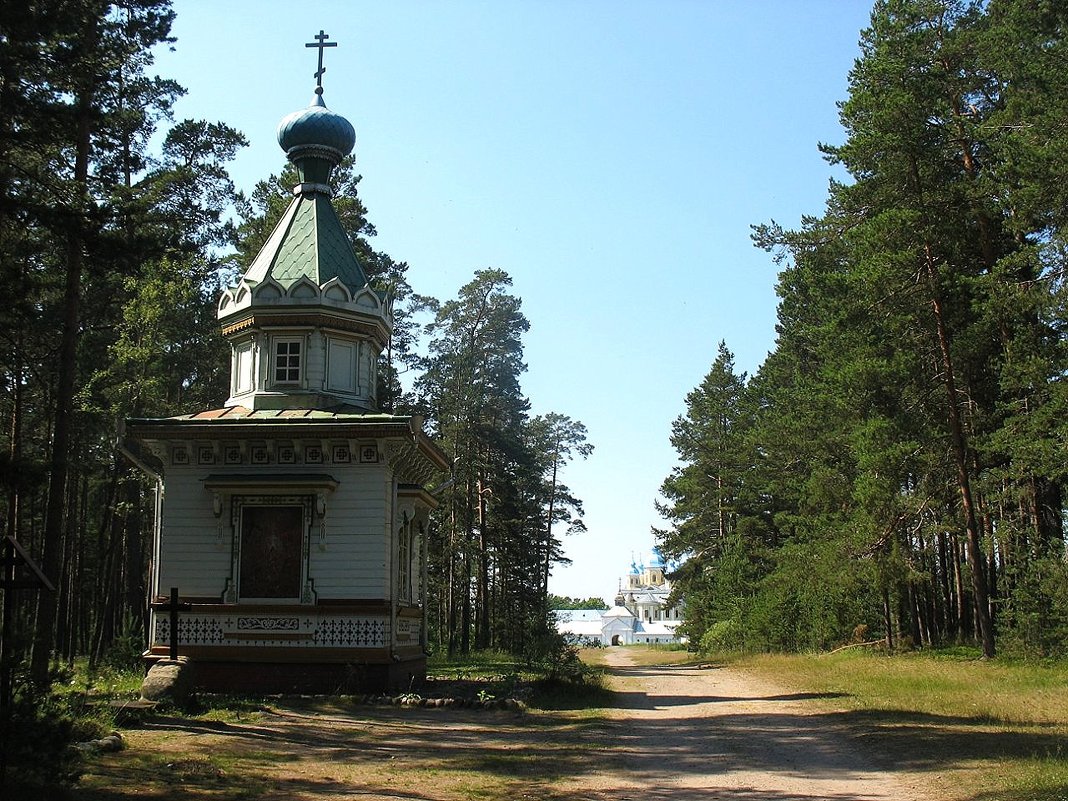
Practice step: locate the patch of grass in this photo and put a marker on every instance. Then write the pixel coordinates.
(560, 695)
(169, 777)
(321, 748)
(494, 675)
(659, 655)
(224, 708)
(106, 681)
(474, 664)
(991, 729)
(1011, 693)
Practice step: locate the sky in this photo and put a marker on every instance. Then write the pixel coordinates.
(610, 155)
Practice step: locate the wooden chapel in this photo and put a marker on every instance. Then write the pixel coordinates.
(293, 519)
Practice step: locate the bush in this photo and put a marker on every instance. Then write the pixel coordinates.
(810, 601)
(124, 653)
(557, 660)
(724, 635)
(39, 731)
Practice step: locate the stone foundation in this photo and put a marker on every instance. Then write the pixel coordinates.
(308, 678)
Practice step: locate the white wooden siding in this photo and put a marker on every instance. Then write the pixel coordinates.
(351, 561)
(192, 557)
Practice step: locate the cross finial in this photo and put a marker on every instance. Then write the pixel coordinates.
(320, 42)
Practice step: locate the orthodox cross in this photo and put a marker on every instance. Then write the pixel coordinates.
(173, 607)
(320, 42)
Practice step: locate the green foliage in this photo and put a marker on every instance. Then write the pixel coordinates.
(493, 542)
(39, 732)
(723, 635)
(811, 600)
(1036, 616)
(557, 660)
(111, 215)
(899, 456)
(124, 654)
(565, 602)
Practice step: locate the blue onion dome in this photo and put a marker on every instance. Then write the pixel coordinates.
(316, 131)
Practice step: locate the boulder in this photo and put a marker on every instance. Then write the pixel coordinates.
(169, 680)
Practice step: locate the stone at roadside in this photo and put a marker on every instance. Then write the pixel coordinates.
(113, 742)
(169, 680)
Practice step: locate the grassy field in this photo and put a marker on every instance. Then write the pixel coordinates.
(984, 730)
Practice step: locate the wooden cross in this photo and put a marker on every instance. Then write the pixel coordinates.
(174, 608)
(320, 42)
(14, 557)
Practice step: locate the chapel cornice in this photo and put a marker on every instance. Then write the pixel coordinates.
(311, 317)
(406, 447)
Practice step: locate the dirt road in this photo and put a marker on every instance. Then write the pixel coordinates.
(678, 733)
(698, 734)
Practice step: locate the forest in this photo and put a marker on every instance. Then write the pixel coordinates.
(119, 226)
(894, 472)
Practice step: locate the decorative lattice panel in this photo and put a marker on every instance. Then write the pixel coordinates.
(293, 631)
(351, 632)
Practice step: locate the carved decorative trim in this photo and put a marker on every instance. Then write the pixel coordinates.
(302, 631)
(268, 623)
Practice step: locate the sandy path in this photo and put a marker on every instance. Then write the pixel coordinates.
(691, 734)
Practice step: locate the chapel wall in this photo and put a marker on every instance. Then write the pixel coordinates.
(194, 557)
(352, 560)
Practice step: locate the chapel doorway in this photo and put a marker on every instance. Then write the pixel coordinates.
(615, 639)
(271, 552)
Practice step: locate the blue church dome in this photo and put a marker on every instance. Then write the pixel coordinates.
(316, 128)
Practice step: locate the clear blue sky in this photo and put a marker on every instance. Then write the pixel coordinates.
(610, 156)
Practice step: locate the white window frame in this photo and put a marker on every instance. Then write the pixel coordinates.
(404, 562)
(301, 357)
(306, 595)
(245, 348)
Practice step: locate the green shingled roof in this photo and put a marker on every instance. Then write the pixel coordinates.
(308, 242)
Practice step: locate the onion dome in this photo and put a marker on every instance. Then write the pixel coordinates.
(316, 127)
(305, 326)
(315, 139)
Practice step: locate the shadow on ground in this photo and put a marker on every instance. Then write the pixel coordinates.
(312, 752)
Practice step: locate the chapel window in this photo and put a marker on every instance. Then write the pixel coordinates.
(287, 361)
(244, 359)
(404, 560)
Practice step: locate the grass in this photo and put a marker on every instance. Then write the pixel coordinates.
(992, 730)
(499, 675)
(975, 730)
(1000, 692)
(244, 748)
(323, 747)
